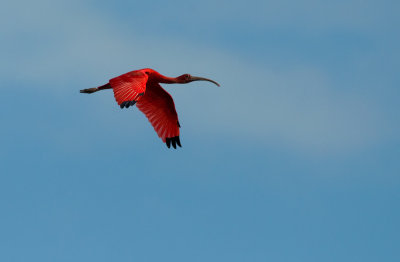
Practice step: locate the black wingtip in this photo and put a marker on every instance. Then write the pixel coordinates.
(178, 142)
(127, 104)
(174, 141)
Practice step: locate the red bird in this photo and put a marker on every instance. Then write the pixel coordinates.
(141, 87)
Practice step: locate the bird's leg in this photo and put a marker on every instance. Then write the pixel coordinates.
(95, 89)
(89, 90)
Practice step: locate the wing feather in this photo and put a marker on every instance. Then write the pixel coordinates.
(159, 108)
(152, 100)
(129, 86)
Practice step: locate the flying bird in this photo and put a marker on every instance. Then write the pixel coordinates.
(142, 87)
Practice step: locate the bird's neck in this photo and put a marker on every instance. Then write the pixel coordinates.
(167, 80)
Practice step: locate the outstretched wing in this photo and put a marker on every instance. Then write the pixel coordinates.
(159, 108)
(129, 87)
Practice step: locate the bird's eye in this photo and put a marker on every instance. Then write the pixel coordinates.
(187, 77)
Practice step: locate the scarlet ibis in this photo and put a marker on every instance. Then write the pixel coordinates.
(142, 87)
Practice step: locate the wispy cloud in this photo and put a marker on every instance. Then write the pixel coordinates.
(297, 107)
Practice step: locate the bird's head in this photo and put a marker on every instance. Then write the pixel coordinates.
(186, 78)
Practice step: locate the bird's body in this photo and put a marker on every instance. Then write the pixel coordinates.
(142, 87)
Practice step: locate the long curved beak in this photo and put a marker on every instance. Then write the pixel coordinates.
(197, 78)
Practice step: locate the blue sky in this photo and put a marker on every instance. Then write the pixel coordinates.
(294, 158)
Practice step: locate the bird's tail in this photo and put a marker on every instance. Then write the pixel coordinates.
(95, 89)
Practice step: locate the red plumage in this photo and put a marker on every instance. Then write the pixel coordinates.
(129, 86)
(159, 108)
(142, 87)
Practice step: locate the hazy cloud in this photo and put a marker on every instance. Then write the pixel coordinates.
(51, 45)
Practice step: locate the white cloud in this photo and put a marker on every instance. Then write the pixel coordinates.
(297, 108)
